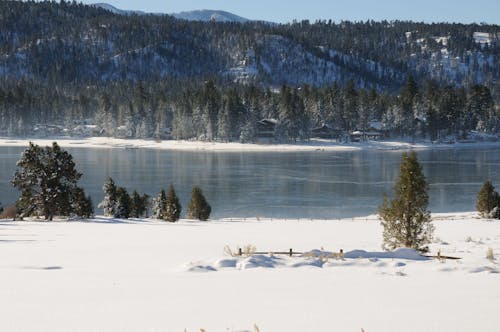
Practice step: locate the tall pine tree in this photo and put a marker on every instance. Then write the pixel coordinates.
(406, 220)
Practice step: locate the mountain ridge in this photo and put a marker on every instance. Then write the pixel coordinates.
(203, 15)
(96, 45)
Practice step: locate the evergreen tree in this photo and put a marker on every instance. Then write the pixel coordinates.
(198, 207)
(488, 201)
(406, 220)
(123, 204)
(81, 204)
(408, 100)
(46, 179)
(110, 198)
(173, 207)
(160, 206)
(139, 205)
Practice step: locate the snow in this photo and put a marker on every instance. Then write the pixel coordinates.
(482, 37)
(146, 275)
(312, 145)
(209, 15)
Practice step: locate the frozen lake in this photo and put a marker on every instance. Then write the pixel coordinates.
(320, 184)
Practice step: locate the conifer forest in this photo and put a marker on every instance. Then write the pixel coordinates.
(73, 69)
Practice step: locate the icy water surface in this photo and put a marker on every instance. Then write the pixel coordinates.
(316, 184)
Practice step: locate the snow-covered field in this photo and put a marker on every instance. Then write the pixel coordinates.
(111, 275)
(312, 145)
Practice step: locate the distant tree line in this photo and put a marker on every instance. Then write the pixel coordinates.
(207, 111)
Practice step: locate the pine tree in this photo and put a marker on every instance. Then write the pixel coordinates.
(123, 203)
(488, 201)
(146, 204)
(406, 220)
(81, 204)
(139, 205)
(46, 178)
(198, 208)
(159, 206)
(110, 198)
(173, 207)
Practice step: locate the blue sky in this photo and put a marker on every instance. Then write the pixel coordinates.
(464, 11)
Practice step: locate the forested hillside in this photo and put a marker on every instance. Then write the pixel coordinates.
(87, 70)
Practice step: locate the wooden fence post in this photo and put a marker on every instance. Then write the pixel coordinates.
(240, 252)
(291, 252)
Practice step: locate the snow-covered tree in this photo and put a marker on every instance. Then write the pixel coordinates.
(160, 205)
(110, 198)
(46, 178)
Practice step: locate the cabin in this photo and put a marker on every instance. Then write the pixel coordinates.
(265, 131)
(372, 135)
(87, 130)
(325, 131)
(47, 130)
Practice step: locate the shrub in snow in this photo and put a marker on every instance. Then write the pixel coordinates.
(159, 205)
(488, 201)
(490, 255)
(198, 207)
(406, 221)
(47, 179)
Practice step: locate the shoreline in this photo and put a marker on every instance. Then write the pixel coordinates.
(174, 145)
(438, 216)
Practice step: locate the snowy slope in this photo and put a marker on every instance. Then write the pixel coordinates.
(205, 15)
(209, 15)
(111, 275)
(117, 11)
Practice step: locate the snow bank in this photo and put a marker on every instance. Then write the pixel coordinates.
(312, 145)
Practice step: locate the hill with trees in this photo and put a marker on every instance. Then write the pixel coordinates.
(72, 69)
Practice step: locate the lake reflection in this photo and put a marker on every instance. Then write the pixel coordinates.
(318, 184)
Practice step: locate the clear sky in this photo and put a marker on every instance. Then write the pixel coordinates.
(464, 11)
